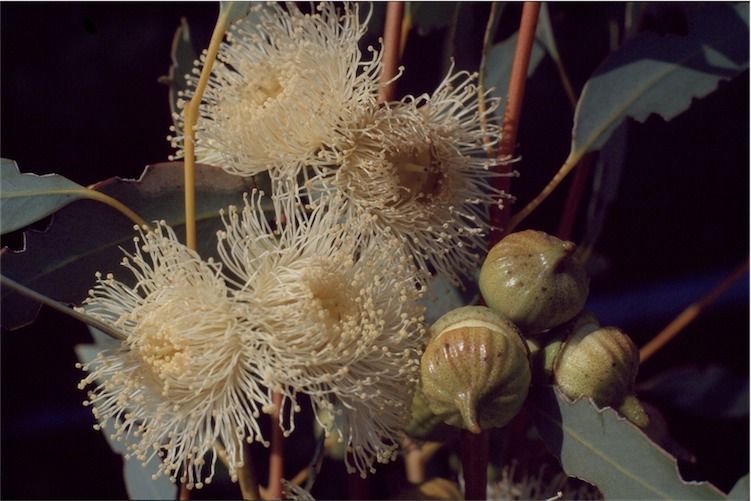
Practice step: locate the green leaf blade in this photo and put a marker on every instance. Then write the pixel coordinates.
(653, 74)
(87, 236)
(500, 59)
(183, 55)
(27, 198)
(740, 491)
(606, 450)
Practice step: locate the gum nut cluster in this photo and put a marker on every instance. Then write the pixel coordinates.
(535, 280)
(539, 283)
(475, 370)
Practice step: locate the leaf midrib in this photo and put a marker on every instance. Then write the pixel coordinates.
(62, 264)
(607, 458)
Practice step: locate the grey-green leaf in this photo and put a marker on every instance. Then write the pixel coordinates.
(440, 298)
(86, 236)
(604, 449)
(500, 59)
(138, 481)
(233, 10)
(183, 55)
(740, 490)
(27, 198)
(654, 74)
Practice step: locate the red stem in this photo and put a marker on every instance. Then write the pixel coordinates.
(575, 192)
(474, 454)
(392, 33)
(512, 113)
(276, 460)
(689, 314)
(184, 493)
(358, 487)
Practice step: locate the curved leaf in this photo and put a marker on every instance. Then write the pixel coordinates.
(604, 449)
(740, 490)
(440, 297)
(661, 74)
(500, 59)
(85, 237)
(233, 10)
(27, 198)
(182, 55)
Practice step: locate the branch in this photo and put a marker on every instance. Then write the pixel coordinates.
(276, 460)
(392, 34)
(689, 314)
(191, 118)
(512, 112)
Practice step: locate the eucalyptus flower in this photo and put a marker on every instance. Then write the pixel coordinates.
(185, 380)
(339, 309)
(284, 90)
(422, 172)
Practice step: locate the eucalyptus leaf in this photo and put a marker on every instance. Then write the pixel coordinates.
(500, 59)
(740, 490)
(137, 476)
(233, 10)
(606, 180)
(183, 55)
(86, 236)
(661, 74)
(604, 449)
(440, 298)
(27, 198)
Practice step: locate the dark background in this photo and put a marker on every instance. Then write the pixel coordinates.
(79, 97)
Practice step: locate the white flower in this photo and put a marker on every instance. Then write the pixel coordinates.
(185, 379)
(285, 90)
(340, 312)
(422, 172)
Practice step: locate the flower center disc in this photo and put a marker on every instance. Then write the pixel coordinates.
(158, 348)
(419, 176)
(262, 89)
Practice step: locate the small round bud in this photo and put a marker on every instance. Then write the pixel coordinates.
(475, 371)
(601, 364)
(535, 280)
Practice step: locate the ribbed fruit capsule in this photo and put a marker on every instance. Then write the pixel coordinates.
(602, 364)
(535, 280)
(475, 369)
(543, 349)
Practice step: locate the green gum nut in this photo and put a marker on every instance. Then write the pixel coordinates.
(543, 349)
(601, 364)
(475, 370)
(423, 424)
(535, 280)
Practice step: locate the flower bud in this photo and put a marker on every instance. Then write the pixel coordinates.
(475, 369)
(535, 280)
(601, 364)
